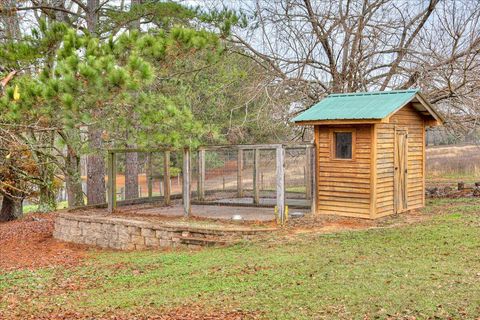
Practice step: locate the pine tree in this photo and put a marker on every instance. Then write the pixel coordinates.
(93, 83)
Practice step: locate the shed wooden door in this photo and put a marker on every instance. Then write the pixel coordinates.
(401, 164)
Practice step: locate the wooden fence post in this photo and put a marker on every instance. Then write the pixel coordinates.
(186, 182)
(280, 183)
(201, 174)
(308, 173)
(112, 185)
(314, 180)
(240, 173)
(149, 175)
(166, 178)
(256, 176)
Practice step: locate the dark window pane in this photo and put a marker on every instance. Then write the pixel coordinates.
(343, 145)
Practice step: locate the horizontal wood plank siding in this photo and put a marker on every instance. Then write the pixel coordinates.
(343, 186)
(409, 118)
(385, 169)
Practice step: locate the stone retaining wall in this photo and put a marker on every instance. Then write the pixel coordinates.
(125, 234)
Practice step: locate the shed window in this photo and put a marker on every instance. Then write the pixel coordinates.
(343, 145)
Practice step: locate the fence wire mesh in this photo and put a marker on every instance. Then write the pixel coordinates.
(229, 179)
(132, 175)
(225, 175)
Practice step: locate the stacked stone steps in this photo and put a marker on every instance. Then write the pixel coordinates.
(128, 234)
(204, 242)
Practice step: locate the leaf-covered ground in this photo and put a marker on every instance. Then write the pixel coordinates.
(424, 270)
(28, 244)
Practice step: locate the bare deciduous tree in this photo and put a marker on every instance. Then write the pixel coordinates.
(320, 47)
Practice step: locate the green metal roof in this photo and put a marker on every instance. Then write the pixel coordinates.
(362, 105)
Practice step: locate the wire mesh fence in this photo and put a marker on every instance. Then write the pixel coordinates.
(131, 176)
(299, 172)
(137, 175)
(235, 175)
(241, 175)
(220, 174)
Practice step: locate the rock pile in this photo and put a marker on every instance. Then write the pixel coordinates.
(449, 192)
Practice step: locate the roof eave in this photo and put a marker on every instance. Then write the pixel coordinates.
(431, 109)
(417, 95)
(339, 121)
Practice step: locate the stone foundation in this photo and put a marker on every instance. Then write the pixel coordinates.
(125, 234)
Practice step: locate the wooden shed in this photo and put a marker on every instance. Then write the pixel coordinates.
(370, 152)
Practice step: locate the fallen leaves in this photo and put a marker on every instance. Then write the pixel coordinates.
(28, 244)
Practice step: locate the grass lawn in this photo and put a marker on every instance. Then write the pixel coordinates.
(451, 178)
(29, 208)
(427, 269)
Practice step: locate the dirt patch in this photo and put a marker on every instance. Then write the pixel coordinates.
(28, 243)
(333, 224)
(206, 215)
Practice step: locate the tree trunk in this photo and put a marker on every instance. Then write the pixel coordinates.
(12, 208)
(131, 175)
(11, 24)
(96, 193)
(61, 16)
(73, 179)
(47, 201)
(92, 15)
(135, 24)
(131, 158)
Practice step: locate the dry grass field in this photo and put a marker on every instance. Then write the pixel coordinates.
(452, 164)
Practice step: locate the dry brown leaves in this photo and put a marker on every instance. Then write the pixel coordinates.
(28, 243)
(180, 313)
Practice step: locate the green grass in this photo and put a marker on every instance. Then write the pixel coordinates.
(30, 208)
(424, 270)
(298, 189)
(457, 177)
